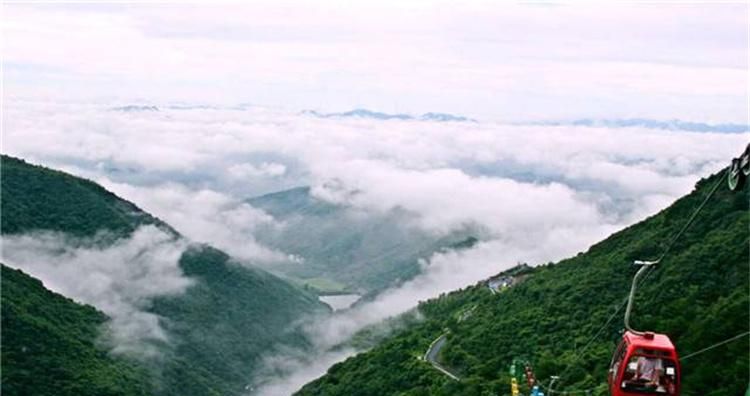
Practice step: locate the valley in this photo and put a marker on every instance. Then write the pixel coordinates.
(344, 249)
(209, 335)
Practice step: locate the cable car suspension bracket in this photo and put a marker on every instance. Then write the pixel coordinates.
(645, 265)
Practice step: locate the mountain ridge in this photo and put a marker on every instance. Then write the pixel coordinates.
(365, 113)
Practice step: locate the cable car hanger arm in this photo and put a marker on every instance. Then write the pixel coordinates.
(645, 265)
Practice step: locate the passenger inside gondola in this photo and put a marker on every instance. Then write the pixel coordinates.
(649, 374)
(648, 370)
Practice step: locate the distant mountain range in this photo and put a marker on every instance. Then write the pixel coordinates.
(149, 108)
(356, 113)
(134, 108)
(671, 125)
(674, 125)
(364, 113)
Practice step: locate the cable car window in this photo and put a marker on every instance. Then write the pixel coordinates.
(617, 359)
(650, 375)
(653, 352)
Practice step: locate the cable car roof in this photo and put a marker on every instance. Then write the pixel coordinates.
(658, 341)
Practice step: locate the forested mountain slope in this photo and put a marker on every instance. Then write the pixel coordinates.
(218, 328)
(36, 198)
(49, 345)
(698, 296)
(361, 252)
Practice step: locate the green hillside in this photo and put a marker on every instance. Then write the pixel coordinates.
(218, 328)
(699, 296)
(37, 198)
(227, 320)
(365, 253)
(48, 345)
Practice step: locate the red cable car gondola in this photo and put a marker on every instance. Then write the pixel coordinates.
(644, 363)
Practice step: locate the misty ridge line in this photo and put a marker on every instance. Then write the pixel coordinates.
(119, 276)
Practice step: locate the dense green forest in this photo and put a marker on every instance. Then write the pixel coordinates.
(49, 345)
(227, 320)
(699, 295)
(37, 198)
(218, 328)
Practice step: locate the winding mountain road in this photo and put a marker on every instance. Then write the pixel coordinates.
(432, 354)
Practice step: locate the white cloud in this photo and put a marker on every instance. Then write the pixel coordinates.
(448, 199)
(119, 279)
(288, 370)
(249, 171)
(205, 216)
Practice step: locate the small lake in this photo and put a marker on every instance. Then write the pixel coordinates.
(341, 301)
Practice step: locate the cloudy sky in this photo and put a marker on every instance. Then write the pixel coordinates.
(513, 61)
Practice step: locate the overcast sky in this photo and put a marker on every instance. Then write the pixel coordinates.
(513, 62)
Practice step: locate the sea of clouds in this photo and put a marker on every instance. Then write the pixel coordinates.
(538, 192)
